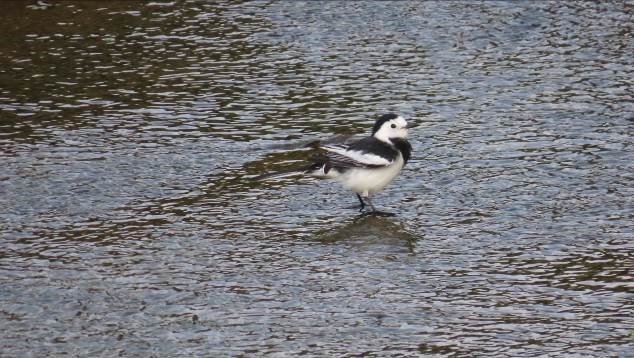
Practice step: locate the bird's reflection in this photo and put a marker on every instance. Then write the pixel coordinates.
(373, 231)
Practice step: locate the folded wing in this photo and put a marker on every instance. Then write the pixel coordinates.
(348, 158)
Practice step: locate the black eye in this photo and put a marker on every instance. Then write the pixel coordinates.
(393, 125)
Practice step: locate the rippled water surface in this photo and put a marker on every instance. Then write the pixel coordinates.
(130, 133)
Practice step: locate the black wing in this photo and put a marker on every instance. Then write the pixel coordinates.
(365, 153)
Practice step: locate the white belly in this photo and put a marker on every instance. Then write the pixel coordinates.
(369, 181)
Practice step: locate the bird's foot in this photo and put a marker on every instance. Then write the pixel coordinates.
(377, 213)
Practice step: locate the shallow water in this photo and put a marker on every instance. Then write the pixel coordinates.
(130, 133)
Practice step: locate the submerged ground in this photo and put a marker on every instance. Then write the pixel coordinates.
(130, 131)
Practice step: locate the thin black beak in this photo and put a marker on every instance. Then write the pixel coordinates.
(411, 125)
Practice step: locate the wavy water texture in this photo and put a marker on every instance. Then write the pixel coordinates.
(130, 133)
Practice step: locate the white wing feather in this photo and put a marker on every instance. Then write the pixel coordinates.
(360, 157)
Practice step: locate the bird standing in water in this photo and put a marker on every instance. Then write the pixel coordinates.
(365, 166)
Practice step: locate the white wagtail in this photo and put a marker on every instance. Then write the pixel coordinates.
(365, 166)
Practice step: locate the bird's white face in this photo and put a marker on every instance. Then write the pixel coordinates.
(394, 128)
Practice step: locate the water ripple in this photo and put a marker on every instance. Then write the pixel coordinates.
(130, 134)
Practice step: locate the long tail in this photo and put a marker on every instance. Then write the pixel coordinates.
(287, 173)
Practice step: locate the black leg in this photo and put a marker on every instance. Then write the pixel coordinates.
(370, 203)
(361, 201)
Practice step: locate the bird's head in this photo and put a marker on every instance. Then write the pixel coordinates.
(390, 126)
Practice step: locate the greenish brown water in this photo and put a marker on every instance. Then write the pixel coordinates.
(130, 131)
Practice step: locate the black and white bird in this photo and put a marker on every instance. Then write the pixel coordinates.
(365, 166)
